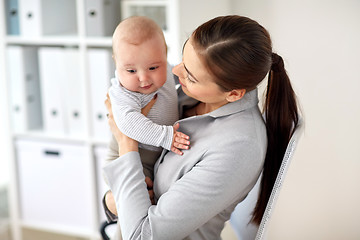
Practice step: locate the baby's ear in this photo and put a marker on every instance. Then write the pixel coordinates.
(235, 95)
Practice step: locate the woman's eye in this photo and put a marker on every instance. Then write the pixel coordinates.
(131, 70)
(188, 77)
(153, 68)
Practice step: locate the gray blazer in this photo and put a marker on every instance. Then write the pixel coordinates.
(196, 192)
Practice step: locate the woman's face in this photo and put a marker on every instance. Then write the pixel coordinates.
(196, 81)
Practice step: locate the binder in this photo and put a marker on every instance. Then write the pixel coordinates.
(52, 75)
(30, 18)
(101, 69)
(102, 17)
(73, 94)
(62, 91)
(54, 185)
(12, 17)
(24, 88)
(47, 17)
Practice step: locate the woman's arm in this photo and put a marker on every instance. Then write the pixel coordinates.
(201, 194)
(113, 153)
(191, 201)
(127, 144)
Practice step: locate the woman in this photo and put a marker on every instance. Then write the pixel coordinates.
(223, 62)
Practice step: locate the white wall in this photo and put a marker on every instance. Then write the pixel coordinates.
(320, 42)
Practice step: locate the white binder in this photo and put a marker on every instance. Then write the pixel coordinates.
(52, 77)
(101, 69)
(102, 17)
(47, 17)
(73, 94)
(30, 17)
(24, 88)
(54, 185)
(62, 91)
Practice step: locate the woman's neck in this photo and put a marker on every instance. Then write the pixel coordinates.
(203, 108)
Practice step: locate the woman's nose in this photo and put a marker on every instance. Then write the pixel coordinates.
(176, 70)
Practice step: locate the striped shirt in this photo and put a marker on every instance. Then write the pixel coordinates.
(154, 130)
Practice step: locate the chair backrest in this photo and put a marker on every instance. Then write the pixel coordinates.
(279, 180)
(241, 217)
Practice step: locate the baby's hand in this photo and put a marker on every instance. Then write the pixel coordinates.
(180, 141)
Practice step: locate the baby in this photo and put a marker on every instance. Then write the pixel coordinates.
(139, 52)
(142, 73)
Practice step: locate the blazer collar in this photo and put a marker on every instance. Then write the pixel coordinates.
(249, 100)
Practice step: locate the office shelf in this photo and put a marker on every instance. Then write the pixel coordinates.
(64, 60)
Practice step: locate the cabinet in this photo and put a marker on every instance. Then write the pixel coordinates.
(54, 184)
(55, 70)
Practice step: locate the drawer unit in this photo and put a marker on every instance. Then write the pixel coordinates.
(55, 184)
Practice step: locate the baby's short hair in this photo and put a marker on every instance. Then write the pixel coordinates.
(136, 30)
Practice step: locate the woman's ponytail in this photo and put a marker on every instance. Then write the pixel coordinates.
(281, 115)
(238, 52)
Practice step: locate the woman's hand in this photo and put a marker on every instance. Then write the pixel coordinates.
(145, 111)
(149, 184)
(125, 143)
(110, 201)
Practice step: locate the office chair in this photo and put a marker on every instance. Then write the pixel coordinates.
(111, 221)
(240, 218)
(103, 230)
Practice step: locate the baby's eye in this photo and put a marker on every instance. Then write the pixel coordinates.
(153, 68)
(131, 70)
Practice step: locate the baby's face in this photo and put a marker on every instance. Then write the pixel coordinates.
(141, 68)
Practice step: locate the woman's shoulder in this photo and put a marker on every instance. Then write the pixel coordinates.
(240, 134)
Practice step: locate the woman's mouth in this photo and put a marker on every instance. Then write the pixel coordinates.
(183, 85)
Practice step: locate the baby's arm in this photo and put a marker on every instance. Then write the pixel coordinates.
(140, 128)
(129, 119)
(180, 140)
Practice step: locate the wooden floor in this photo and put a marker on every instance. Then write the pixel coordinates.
(28, 234)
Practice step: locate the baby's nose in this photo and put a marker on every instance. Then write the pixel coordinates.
(143, 77)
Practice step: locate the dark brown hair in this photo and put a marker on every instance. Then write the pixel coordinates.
(238, 52)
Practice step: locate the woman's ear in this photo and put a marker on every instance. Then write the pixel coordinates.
(235, 95)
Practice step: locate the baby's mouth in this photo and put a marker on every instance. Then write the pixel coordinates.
(147, 86)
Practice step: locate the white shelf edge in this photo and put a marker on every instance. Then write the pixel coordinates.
(41, 136)
(60, 41)
(98, 41)
(145, 2)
